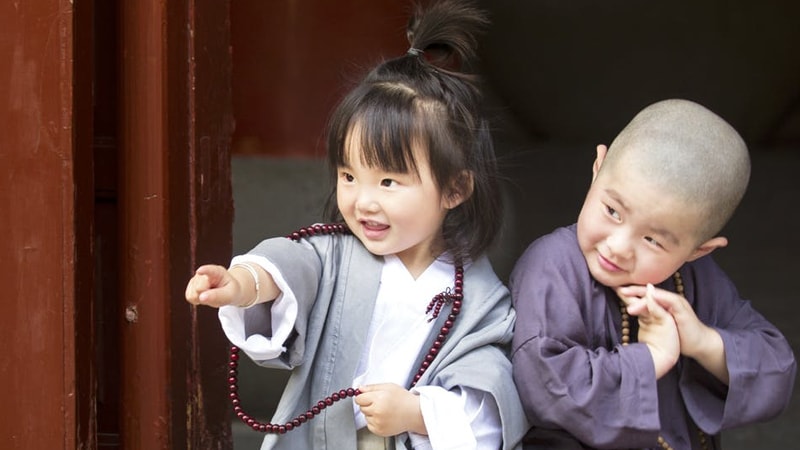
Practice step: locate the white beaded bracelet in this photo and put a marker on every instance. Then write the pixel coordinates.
(253, 272)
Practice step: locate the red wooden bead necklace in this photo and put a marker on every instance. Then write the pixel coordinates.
(448, 297)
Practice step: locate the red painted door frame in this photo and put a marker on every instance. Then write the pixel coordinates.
(39, 366)
(174, 210)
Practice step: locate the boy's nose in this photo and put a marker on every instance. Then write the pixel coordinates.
(619, 244)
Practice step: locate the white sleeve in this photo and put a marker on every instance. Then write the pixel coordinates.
(283, 312)
(462, 418)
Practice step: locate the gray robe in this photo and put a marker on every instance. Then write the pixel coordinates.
(576, 380)
(336, 280)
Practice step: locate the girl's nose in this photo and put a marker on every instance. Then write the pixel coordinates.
(367, 200)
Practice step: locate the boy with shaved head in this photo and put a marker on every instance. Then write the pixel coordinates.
(628, 334)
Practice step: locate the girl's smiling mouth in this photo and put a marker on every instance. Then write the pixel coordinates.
(373, 230)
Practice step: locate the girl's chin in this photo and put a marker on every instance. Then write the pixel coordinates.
(376, 248)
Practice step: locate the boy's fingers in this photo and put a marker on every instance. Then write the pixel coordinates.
(636, 307)
(651, 291)
(654, 305)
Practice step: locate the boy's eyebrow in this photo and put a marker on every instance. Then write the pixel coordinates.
(670, 236)
(617, 198)
(667, 234)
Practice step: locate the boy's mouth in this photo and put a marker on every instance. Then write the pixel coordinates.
(606, 264)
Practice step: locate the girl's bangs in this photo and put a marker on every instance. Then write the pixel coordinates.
(383, 129)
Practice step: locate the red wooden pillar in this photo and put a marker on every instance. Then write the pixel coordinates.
(175, 209)
(175, 206)
(201, 213)
(143, 201)
(38, 252)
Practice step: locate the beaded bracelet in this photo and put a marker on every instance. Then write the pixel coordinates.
(253, 272)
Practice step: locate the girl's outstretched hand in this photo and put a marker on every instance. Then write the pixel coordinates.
(213, 285)
(390, 409)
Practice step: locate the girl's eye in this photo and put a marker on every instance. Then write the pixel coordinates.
(612, 212)
(387, 182)
(347, 177)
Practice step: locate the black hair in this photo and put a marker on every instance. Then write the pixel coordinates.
(429, 96)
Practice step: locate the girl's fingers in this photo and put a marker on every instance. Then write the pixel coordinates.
(195, 288)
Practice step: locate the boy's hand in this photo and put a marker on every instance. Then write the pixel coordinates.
(214, 286)
(657, 327)
(697, 340)
(390, 409)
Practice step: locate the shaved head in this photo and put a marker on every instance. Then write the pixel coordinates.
(688, 152)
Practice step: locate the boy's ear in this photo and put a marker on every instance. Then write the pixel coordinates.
(708, 247)
(602, 150)
(459, 190)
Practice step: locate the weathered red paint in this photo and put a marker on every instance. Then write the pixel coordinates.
(143, 194)
(294, 60)
(176, 206)
(201, 213)
(38, 249)
(85, 367)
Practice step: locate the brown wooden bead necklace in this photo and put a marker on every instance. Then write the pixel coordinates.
(625, 324)
(452, 297)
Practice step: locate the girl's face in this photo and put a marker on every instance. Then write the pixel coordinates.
(630, 232)
(393, 213)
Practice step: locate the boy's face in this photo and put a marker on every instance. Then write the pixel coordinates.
(631, 232)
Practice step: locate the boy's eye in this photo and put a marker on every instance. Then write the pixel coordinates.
(652, 241)
(612, 212)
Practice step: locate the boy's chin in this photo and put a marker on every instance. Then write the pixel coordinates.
(606, 279)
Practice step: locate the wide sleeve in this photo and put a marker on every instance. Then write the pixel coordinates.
(760, 362)
(279, 341)
(263, 332)
(568, 373)
(460, 418)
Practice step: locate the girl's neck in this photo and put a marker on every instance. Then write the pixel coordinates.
(417, 266)
(419, 259)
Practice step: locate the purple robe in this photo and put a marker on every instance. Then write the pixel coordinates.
(577, 381)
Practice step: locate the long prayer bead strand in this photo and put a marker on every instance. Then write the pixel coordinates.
(626, 339)
(448, 297)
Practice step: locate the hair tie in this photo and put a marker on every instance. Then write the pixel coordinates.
(414, 51)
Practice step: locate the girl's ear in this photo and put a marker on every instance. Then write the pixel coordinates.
(459, 190)
(708, 247)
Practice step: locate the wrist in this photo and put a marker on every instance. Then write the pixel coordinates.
(415, 420)
(707, 347)
(663, 361)
(244, 285)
